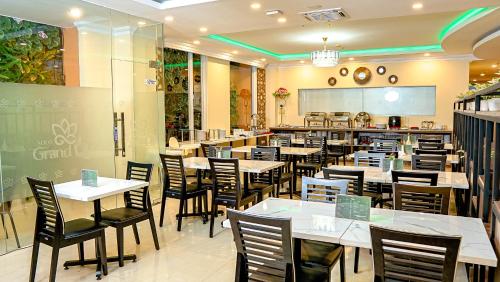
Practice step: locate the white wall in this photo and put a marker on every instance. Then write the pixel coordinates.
(218, 108)
(450, 78)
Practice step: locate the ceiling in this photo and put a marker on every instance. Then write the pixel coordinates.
(486, 67)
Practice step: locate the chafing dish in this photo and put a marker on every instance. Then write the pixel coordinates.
(339, 120)
(315, 119)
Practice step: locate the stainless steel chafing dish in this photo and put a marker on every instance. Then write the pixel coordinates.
(315, 119)
(339, 120)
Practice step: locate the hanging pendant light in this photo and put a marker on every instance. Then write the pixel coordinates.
(325, 58)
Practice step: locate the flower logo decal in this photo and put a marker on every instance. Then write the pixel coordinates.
(64, 132)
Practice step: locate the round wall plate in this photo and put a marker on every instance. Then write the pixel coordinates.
(362, 75)
(393, 79)
(381, 70)
(332, 81)
(344, 71)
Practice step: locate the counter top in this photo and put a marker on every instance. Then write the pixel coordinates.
(375, 130)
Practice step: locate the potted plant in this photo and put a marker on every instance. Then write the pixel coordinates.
(281, 94)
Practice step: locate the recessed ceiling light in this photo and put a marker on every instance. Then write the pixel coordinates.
(494, 66)
(273, 12)
(203, 29)
(417, 6)
(235, 52)
(75, 13)
(282, 20)
(351, 59)
(141, 23)
(302, 61)
(197, 42)
(263, 59)
(427, 54)
(482, 74)
(255, 6)
(169, 18)
(83, 33)
(474, 79)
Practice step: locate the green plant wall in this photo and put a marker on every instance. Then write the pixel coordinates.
(30, 52)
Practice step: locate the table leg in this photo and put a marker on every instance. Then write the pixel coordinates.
(294, 174)
(97, 260)
(245, 182)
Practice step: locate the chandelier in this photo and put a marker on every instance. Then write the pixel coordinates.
(325, 58)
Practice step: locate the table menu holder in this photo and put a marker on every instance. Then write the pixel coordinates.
(353, 207)
(89, 177)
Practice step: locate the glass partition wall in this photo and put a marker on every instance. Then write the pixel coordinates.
(78, 90)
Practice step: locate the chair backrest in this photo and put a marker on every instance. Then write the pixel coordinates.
(49, 218)
(417, 198)
(139, 198)
(315, 142)
(226, 152)
(430, 146)
(428, 162)
(278, 156)
(404, 256)
(226, 177)
(204, 149)
(283, 140)
(264, 247)
(384, 145)
(174, 175)
(355, 177)
(430, 152)
(369, 159)
(431, 138)
(414, 177)
(263, 154)
(322, 190)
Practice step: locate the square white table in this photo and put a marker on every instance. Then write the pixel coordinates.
(457, 180)
(450, 159)
(74, 190)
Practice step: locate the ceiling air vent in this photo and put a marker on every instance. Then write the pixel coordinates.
(325, 15)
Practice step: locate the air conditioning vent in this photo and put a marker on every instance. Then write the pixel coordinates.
(325, 15)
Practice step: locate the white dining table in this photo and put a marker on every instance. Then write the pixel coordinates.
(248, 166)
(457, 180)
(106, 187)
(329, 142)
(450, 158)
(317, 221)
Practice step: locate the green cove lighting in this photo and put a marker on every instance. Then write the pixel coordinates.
(373, 51)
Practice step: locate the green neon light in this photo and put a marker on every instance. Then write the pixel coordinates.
(373, 51)
(181, 65)
(461, 19)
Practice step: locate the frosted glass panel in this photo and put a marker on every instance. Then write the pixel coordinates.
(383, 101)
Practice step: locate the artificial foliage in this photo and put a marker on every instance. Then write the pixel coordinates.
(30, 52)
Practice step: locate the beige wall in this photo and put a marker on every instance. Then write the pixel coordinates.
(218, 94)
(449, 77)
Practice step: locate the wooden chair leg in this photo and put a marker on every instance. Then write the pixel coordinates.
(153, 229)
(14, 229)
(34, 259)
(356, 259)
(180, 215)
(119, 241)
(162, 210)
(53, 263)
(81, 253)
(212, 218)
(102, 251)
(342, 266)
(4, 227)
(136, 234)
(205, 204)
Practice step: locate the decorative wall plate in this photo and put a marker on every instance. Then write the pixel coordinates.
(344, 71)
(332, 81)
(381, 70)
(362, 75)
(393, 79)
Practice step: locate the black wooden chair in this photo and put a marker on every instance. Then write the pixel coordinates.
(431, 139)
(430, 152)
(52, 230)
(414, 177)
(374, 190)
(6, 209)
(428, 162)
(175, 186)
(425, 199)
(403, 256)
(385, 145)
(227, 190)
(320, 256)
(430, 146)
(137, 208)
(282, 175)
(313, 162)
(262, 183)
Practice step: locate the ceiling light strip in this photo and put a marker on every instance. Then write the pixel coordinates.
(244, 45)
(462, 19)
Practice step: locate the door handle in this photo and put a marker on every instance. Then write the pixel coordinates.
(119, 149)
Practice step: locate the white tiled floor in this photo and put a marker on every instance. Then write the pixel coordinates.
(189, 255)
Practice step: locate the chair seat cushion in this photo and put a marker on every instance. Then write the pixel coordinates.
(259, 186)
(204, 182)
(285, 176)
(308, 274)
(121, 214)
(316, 253)
(80, 226)
(308, 166)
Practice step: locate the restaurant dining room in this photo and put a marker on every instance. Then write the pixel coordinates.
(250, 140)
